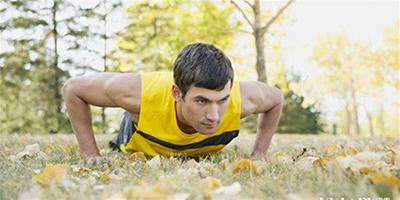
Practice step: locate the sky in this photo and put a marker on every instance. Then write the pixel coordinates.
(362, 21)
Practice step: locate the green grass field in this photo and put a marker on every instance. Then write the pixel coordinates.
(296, 167)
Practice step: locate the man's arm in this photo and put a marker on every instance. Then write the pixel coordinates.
(259, 98)
(104, 90)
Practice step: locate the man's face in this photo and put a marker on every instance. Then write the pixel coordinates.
(202, 109)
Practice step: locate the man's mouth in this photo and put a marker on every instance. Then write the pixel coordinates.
(208, 125)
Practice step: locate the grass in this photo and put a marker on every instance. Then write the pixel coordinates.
(280, 177)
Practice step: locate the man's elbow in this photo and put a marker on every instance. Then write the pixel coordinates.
(278, 97)
(69, 88)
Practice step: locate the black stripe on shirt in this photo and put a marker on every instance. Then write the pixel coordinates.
(223, 138)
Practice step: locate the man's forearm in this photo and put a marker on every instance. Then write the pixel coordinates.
(81, 121)
(266, 125)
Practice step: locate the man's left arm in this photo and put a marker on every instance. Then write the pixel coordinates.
(266, 124)
(267, 102)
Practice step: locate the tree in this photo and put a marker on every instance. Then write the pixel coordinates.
(297, 118)
(259, 30)
(157, 31)
(42, 37)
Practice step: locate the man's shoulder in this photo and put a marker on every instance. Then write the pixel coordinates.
(156, 88)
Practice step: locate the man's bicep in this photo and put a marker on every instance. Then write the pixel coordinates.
(258, 97)
(90, 89)
(124, 91)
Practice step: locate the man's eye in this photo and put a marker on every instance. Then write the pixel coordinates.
(223, 101)
(200, 101)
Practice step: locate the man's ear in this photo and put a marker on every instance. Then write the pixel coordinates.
(176, 93)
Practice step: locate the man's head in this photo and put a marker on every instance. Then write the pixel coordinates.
(203, 77)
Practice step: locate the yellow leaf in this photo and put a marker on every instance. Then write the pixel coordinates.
(319, 162)
(49, 149)
(351, 151)
(67, 149)
(332, 149)
(224, 164)
(104, 176)
(213, 183)
(245, 165)
(341, 154)
(366, 170)
(51, 174)
(137, 156)
(389, 180)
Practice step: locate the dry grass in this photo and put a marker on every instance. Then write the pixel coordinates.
(291, 171)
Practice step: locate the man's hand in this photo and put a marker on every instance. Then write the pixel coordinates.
(94, 161)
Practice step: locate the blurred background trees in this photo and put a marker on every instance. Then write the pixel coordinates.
(44, 43)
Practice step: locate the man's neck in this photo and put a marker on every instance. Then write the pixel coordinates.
(182, 124)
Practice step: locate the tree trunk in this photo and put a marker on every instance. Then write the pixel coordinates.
(348, 119)
(259, 42)
(371, 126)
(58, 71)
(382, 119)
(355, 107)
(103, 110)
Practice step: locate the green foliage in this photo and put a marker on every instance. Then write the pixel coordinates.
(158, 31)
(32, 73)
(297, 118)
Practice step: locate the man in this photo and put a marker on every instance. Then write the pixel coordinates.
(194, 111)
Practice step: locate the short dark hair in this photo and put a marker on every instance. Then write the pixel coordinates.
(202, 65)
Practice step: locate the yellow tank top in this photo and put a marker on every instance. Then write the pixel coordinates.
(157, 129)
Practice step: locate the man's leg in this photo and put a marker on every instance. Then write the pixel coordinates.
(127, 128)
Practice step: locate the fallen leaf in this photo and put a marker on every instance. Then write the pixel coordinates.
(389, 180)
(281, 157)
(137, 156)
(179, 196)
(213, 183)
(366, 170)
(224, 164)
(147, 191)
(246, 166)
(295, 158)
(31, 150)
(306, 162)
(103, 176)
(319, 162)
(227, 192)
(351, 151)
(368, 157)
(332, 149)
(51, 174)
(154, 162)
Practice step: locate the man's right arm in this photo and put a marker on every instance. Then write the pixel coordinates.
(103, 90)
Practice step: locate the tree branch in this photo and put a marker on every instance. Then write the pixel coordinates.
(245, 31)
(249, 4)
(271, 21)
(243, 13)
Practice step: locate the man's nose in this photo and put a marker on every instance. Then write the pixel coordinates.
(212, 113)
